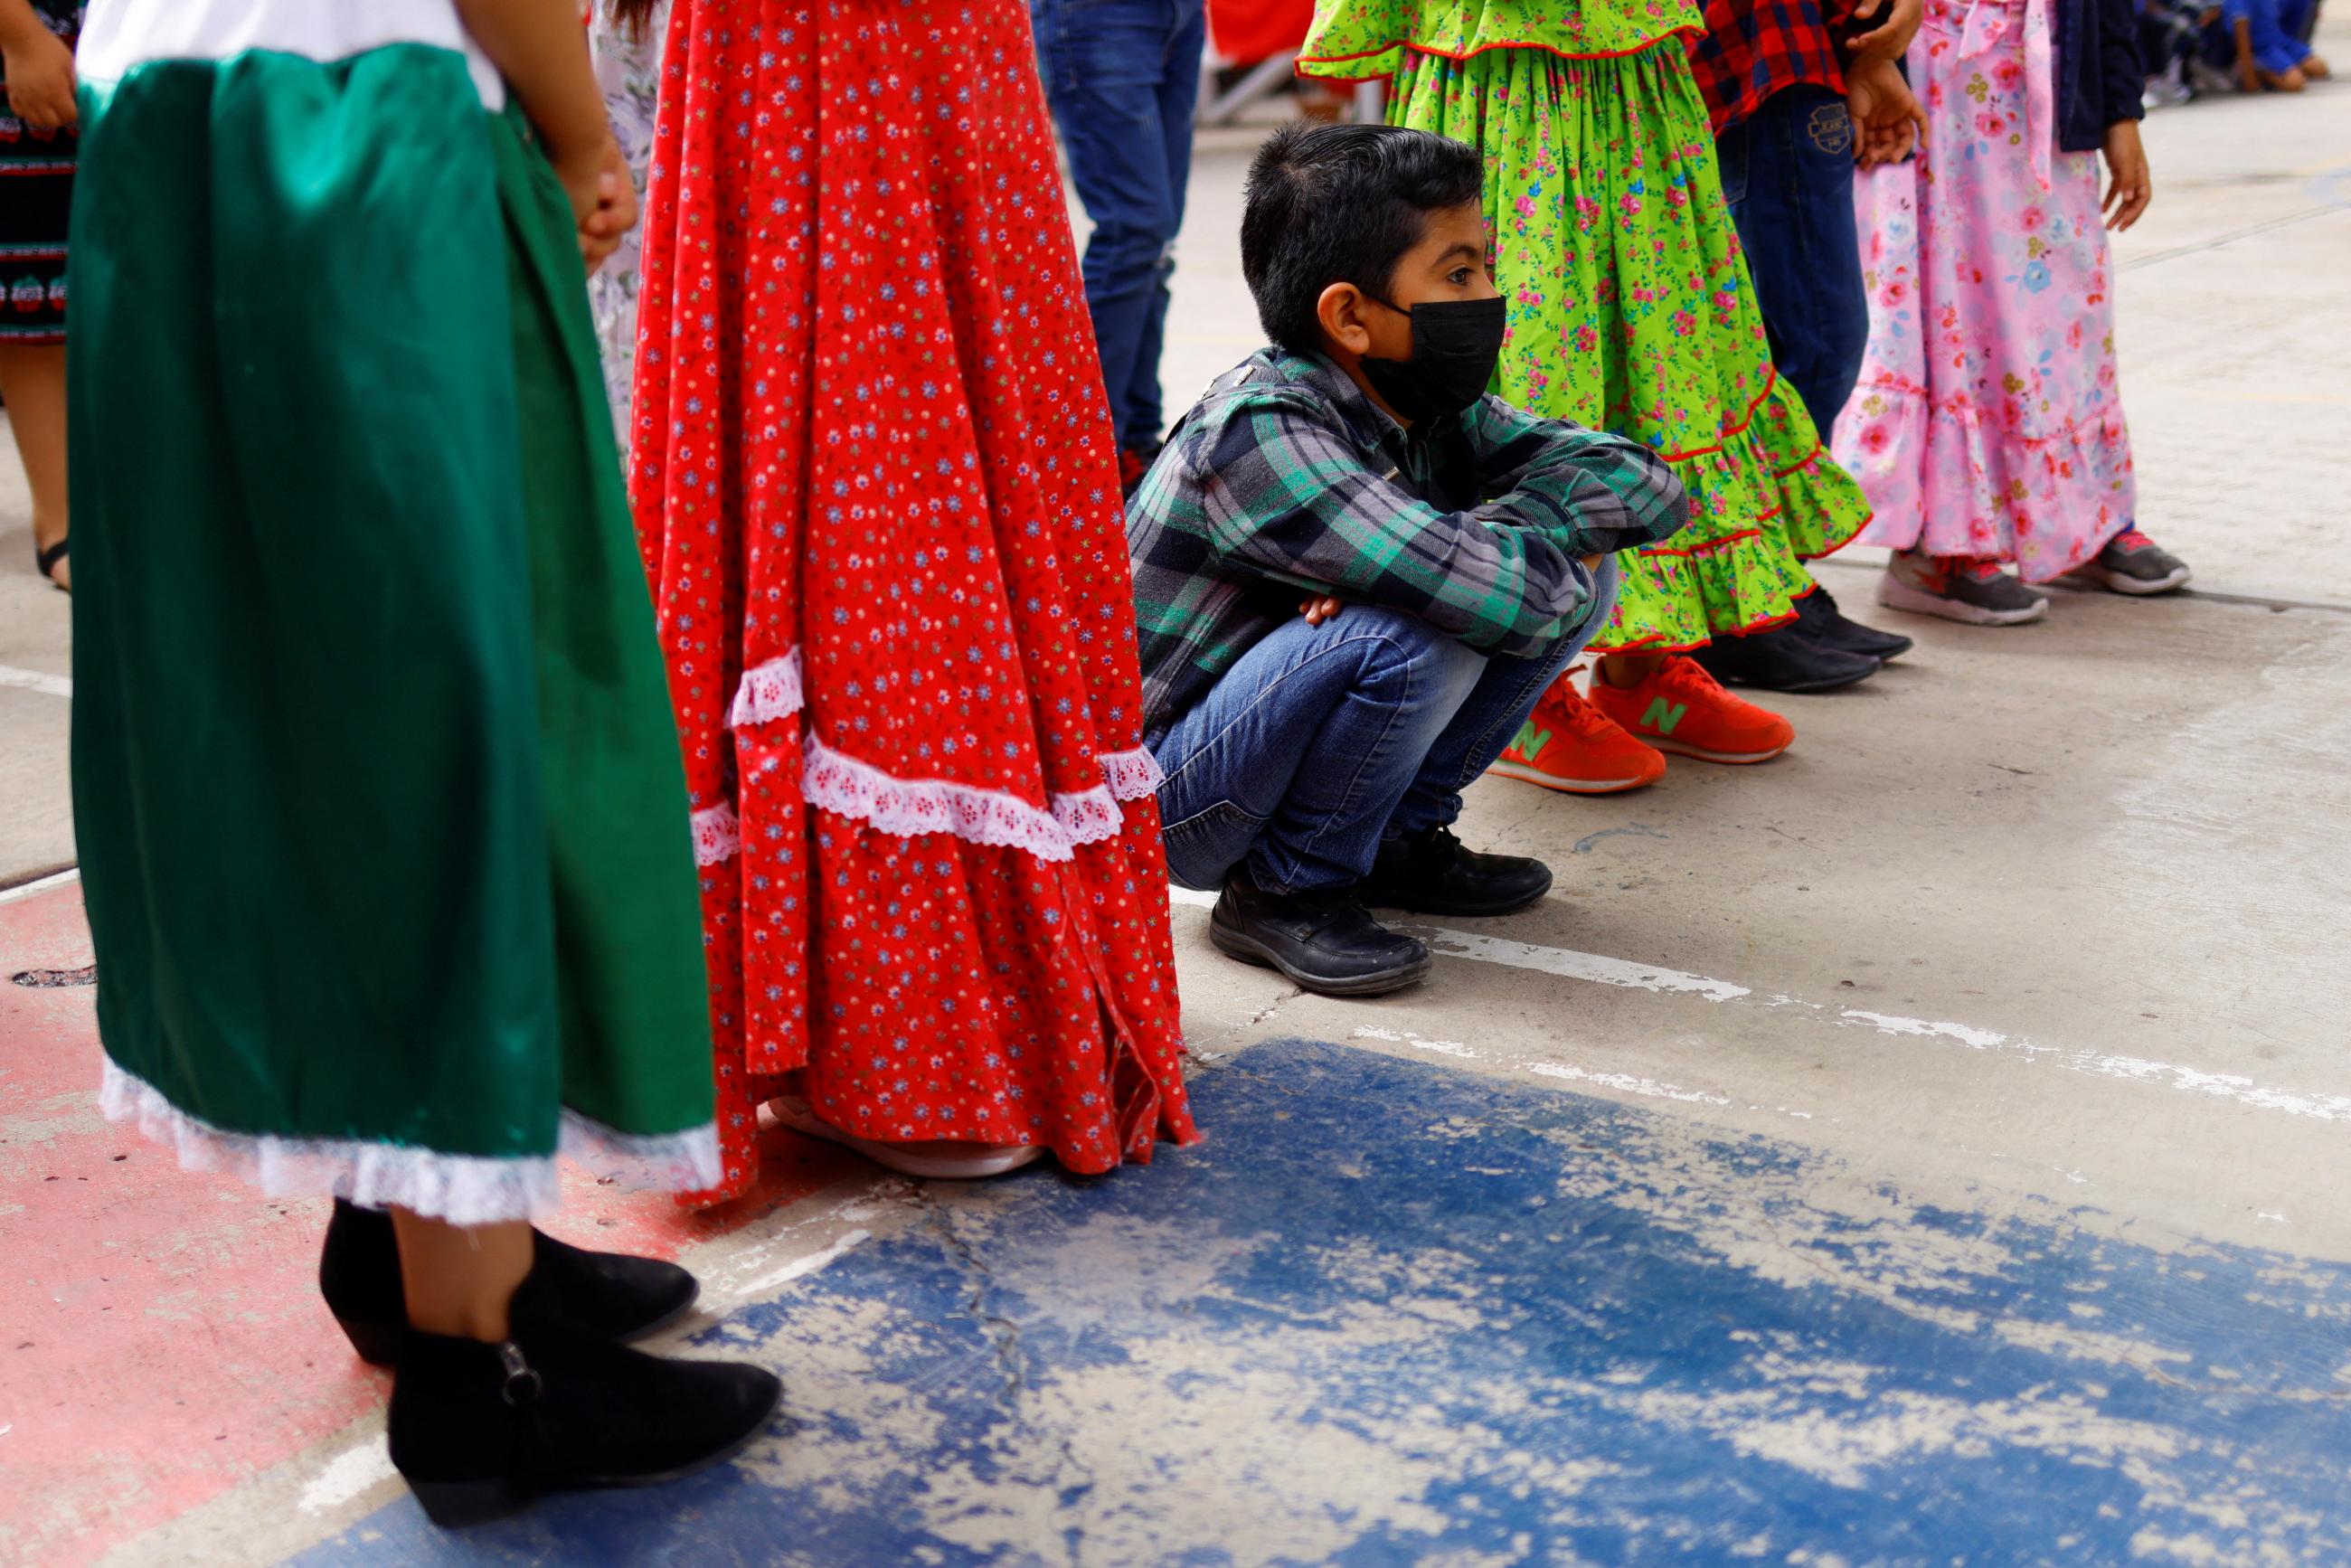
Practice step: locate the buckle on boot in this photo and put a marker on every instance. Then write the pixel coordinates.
(520, 1373)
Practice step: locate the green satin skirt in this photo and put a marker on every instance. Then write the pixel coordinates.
(382, 825)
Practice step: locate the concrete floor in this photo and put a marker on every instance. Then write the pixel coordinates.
(1923, 1147)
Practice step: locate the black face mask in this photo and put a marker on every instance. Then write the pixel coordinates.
(1456, 344)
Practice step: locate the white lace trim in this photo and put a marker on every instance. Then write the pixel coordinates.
(768, 691)
(911, 808)
(1132, 774)
(463, 1189)
(836, 782)
(716, 836)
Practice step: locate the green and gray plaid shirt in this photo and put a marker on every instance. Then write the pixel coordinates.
(1285, 478)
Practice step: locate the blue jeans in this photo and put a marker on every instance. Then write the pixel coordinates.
(1320, 741)
(1122, 77)
(1787, 171)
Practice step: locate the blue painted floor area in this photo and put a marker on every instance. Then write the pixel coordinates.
(1396, 1313)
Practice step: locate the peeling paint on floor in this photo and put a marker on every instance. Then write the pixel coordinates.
(1394, 1311)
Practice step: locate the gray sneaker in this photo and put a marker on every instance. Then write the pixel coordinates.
(2134, 563)
(1974, 591)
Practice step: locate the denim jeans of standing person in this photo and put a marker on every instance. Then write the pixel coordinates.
(1322, 740)
(1787, 173)
(1122, 77)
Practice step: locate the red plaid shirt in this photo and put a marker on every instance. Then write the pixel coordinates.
(1752, 48)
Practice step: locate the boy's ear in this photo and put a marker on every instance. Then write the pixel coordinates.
(1342, 308)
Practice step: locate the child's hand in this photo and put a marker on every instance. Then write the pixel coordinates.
(1890, 38)
(41, 79)
(603, 201)
(1319, 609)
(2128, 188)
(1887, 122)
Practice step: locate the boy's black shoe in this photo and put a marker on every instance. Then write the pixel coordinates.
(1784, 660)
(1324, 940)
(479, 1430)
(608, 1293)
(1818, 617)
(1436, 874)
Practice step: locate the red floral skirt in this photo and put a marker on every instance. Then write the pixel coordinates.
(874, 483)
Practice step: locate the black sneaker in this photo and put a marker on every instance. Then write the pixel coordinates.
(1323, 940)
(1782, 660)
(1436, 874)
(2133, 563)
(1818, 617)
(1974, 591)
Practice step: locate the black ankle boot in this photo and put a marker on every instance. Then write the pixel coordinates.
(1782, 660)
(479, 1430)
(1436, 874)
(1323, 940)
(609, 1293)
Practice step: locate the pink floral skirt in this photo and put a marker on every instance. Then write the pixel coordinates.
(1987, 423)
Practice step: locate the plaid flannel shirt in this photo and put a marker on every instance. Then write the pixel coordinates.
(1285, 479)
(1753, 48)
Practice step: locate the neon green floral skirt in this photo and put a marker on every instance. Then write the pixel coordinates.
(1631, 310)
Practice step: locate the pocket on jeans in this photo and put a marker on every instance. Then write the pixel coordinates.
(1205, 846)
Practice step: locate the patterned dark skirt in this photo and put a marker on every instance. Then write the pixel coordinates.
(37, 169)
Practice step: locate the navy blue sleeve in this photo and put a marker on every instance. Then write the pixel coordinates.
(2122, 75)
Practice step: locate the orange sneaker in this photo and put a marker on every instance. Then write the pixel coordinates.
(1567, 743)
(1681, 708)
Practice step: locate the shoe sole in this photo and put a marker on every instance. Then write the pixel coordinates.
(2115, 582)
(1248, 950)
(1801, 688)
(1526, 775)
(1896, 594)
(923, 1167)
(1733, 759)
(453, 1505)
(1867, 653)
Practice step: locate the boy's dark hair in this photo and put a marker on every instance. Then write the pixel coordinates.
(1341, 203)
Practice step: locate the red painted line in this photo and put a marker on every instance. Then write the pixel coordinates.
(161, 1339)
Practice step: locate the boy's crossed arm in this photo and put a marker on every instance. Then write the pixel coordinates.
(1290, 498)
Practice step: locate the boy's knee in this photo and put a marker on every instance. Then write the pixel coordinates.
(1400, 649)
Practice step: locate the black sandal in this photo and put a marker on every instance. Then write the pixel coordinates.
(47, 560)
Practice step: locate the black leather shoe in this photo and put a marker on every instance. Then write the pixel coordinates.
(1323, 940)
(1784, 660)
(1436, 874)
(1818, 617)
(607, 1294)
(479, 1430)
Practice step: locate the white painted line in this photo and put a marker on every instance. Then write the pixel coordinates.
(800, 1266)
(34, 681)
(1574, 966)
(1625, 1082)
(1603, 970)
(347, 1475)
(1442, 1047)
(41, 884)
